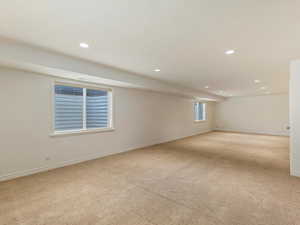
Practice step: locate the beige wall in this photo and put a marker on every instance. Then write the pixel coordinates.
(141, 118)
(268, 114)
(295, 118)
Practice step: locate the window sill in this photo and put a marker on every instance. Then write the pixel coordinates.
(200, 121)
(80, 132)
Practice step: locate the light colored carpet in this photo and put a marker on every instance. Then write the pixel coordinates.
(215, 178)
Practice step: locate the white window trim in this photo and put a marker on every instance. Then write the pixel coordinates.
(85, 130)
(76, 132)
(205, 113)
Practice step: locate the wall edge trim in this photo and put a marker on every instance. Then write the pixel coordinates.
(17, 174)
(252, 132)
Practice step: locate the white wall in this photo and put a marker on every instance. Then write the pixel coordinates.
(142, 118)
(268, 114)
(295, 118)
(29, 58)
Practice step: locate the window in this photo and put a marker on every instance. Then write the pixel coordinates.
(200, 111)
(81, 109)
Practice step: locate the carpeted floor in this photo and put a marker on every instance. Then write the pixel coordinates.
(215, 178)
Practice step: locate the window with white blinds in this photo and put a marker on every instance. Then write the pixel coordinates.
(200, 111)
(97, 109)
(78, 108)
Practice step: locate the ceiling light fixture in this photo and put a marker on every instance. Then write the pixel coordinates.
(206, 87)
(230, 52)
(84, 45)
(257, 81)
(157, 70)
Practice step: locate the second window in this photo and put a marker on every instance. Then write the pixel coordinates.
(200, 111)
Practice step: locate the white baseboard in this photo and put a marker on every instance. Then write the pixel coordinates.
(253, 132)
(84, 158)
(52, 166)
(295, 173)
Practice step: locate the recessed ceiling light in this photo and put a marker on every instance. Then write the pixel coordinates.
(257, 81)
(206, 87)
(83, 45)
(157, 70)
(263, 88)
(229, 52)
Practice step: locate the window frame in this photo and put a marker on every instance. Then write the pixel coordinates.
(204, 112)
(84, 130)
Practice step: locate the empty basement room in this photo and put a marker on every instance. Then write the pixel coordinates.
(150, 112)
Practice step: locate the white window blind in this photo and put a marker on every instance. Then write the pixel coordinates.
(79, 108)
(200, 111)
(68, 108)
(97, 106)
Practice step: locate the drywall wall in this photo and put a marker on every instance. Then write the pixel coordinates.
(268, 114)
(34, 59)
(295, 118)
(141, 118)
